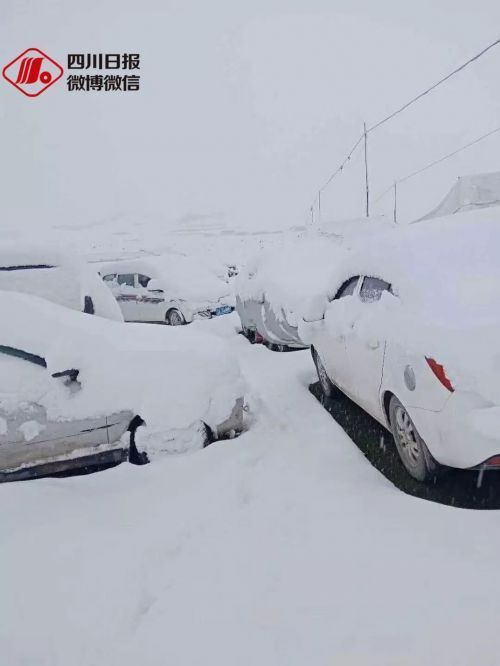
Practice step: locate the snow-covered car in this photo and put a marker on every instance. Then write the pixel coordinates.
(72, 385)
(58, 276)
(275, 288)
(31, 443)
(411, 335)
(260, 324)
(169, 289)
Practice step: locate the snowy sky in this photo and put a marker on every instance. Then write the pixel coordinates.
(245, 107)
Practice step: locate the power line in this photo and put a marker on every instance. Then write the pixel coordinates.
(442, 159)
(346, 160)
(433, 87)
(338, 170)
(438, 161)
(362, 137)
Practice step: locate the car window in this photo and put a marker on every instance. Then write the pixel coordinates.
(143, 280)
(372, 288)
(126, 278)
(109, 278)
(348, 288)
(26, 267)
(21, 382)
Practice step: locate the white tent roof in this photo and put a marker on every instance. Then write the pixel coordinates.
(469, 193)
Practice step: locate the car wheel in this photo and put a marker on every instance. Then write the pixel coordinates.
(412, 449)
(276, 347)
(249, 335)
(208, 435)
(175, 318)
(327, 386)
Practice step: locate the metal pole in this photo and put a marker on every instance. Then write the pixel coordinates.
(319, 207)
(312, 215)
(366, 172)
(395, 202)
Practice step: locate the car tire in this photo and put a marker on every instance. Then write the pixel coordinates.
(274, 346)
(175, 318)
(249, 335)
(411, 448)
(209, 436)
(327, 386)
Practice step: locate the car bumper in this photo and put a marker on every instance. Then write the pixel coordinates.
(464, 434)
(213, 311)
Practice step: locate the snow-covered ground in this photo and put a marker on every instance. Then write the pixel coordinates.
(282, 547)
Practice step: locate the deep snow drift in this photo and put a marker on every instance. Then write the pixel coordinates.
(282, 547)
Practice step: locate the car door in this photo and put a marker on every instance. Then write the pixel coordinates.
(331, 339)
(365, 351)
(27, 437)
(149, 302)
(126, 296)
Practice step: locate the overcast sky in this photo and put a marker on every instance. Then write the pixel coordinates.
(245, 107)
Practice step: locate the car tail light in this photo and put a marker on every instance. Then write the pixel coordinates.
(258, 338)
(440, 373)
(494, 461)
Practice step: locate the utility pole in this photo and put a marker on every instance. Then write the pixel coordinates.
(366, 172)
(395, 202)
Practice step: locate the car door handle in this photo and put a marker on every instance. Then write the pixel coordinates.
(373, 344)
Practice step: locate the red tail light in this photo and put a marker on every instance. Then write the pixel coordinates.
(439, 372)
(494, 461)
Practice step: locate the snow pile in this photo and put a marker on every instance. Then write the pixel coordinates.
(281, 548)
(364, 227)
(294, 280)
(172, 377)
(469, 193)
(61, 277)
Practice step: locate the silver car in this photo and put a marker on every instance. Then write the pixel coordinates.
(31, 444)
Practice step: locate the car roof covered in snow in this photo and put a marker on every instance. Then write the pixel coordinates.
(57, 275)
(447, 258)
(187, 278)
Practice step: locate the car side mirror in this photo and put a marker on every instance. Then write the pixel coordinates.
(156, 286)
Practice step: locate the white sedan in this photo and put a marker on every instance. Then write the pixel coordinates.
(169, 289)
(411, 335)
